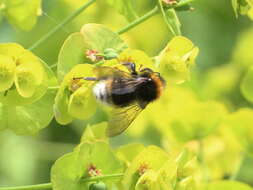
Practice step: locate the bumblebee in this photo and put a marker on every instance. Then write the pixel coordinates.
(128, 93)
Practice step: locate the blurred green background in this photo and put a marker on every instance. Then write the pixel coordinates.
(226, 46)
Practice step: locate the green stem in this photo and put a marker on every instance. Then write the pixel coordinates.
(150, 14)
(97, 178)
(165, 18)
(201, 158)
(53, 66)
(49, 185)
(238, 168)
(139, 20)
(64, 22)
(53, 87)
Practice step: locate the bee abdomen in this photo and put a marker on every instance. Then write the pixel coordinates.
(100, 91)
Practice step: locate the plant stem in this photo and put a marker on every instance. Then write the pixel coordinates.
(165, 17)
(150, 14)
(53, 87)
(29, 187)
(53, 66)
(97, 178)
(49, 185)
(139, 20)
(238, 168)
(202, 161)
(63, 23)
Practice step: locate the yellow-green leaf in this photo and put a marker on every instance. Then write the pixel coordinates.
(177, 59)
(82, 103)
(22, 13)
(7, 72)
(146, 160)
(95, 133)
(227, 185)
(246, 85)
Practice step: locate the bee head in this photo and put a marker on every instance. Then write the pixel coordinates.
(149, 73)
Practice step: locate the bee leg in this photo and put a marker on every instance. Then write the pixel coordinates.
(131, 67)
(86, 78)
(143, 104)
(140, 68)
(6, 92)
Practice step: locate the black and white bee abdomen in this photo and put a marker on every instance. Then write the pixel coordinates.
(114, 92)
(100, 90)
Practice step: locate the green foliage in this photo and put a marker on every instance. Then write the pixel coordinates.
(227, 185)
(242, 6)
(98, 186)
(177, 59)
(125, 7)
(21, 14)
(83, 163)
(246, 85)
(29, 79)
(241, 124)
(92, 37)
(171, 19)
(74, 98)
(95, 133)
(7, 70)
(25, 98)
(198, 130)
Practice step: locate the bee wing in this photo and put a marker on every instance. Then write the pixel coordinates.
(121, 119)
(126, 85)
(103, 72)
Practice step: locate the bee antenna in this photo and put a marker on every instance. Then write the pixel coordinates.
(86, 78)
(76, 78)
(157, 73)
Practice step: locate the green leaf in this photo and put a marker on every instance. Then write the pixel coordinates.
(98, 186)
(227, 185)
(74, 99)
(92, 37)
(62, 115)
(7, 72)
(100, 38)
(68, 171)
(148, 181)
(241, 7)
(177, 59)
(198, 120)
(12, 50)
(184, 8)
(29, 119)
(29, 74)
(171, 19)
(128, 152)
(95, 133)
(125, 7)
(36, 73)
(71, 54)
(22, 13)
(240, 123)
(246, 85)
(82, 103)
(185, 184)
(63, 173)
(3, 119)
(146, 160)
(2, 7)
(167, 175)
